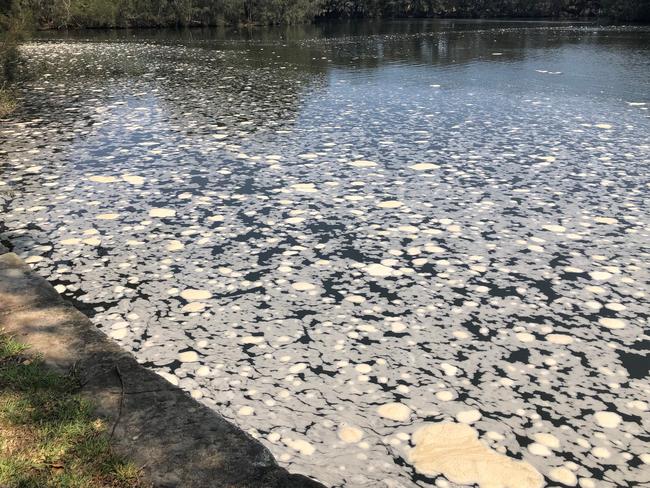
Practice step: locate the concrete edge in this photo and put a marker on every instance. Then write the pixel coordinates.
(178, 441)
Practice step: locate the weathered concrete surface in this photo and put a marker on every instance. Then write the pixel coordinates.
(180, 442)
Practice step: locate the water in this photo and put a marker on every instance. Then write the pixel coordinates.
(303, 226)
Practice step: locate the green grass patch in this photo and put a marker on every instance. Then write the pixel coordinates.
(7, 102)
(49, 436)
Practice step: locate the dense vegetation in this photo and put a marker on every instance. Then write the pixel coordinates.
(619, 9)
(123, 13)
(150, 13)
(10, 33)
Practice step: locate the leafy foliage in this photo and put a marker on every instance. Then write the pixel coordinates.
(132, 13)
(149, 13)
(617, 9)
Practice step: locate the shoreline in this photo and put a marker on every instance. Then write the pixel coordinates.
(599, 20)
(179, 441)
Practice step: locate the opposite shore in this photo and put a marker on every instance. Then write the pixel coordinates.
(19, 18)
(67, 14)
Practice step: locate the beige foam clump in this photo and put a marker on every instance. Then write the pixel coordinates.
(350, 434)
(196, 295)
(33, 259)
(245, 411)
(358, 299)
(449, 369)
(297, 368)
(188, 357)
(133, 179)
(525, 337)
(548, 440)
(444, 396)
(162, 212)
(379, 270)
(468, 416)
(252, 340)
(193, 307)
(119, 333)
(300, 445)
(92, 241)
(108, 216)
(175, 245)
(601, 453)
(394, 411)
(600, 275)
(363, 368)
(605, 220)
(563, 475)
(304, 187)
(554, 228)
(294, 220)
(559, 339)
(362, 163)
(607, 420)
(638, 405)
(573, 269)
(424, 166)
(303, 286)
(455, 451)
(390, 204)
(612, 323)
(103, 179)
(203, 371)
(539, 449)
(70, 242)
(548, 159)
(434, 249)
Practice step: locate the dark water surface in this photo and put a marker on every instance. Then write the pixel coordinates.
(338, 235)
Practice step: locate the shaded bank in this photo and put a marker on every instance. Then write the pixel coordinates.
(176, 440)
(58, 14)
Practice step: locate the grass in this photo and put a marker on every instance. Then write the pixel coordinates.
(49, 436)
(7, 102)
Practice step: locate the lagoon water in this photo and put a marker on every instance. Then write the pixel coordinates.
(354, 240)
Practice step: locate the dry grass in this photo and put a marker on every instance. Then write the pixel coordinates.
(49, 436)
(7, 102)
